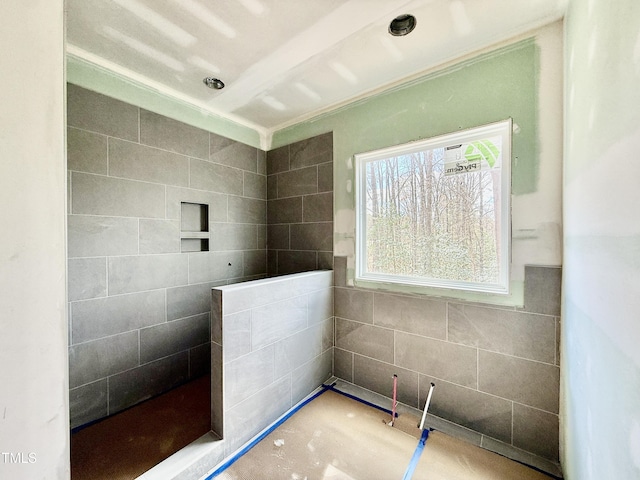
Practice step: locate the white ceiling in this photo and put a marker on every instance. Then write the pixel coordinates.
(284, 61)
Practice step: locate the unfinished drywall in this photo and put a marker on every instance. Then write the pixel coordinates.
(34, 418)
(523, 81)
(601, 380)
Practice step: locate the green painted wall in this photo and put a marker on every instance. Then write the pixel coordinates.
(487, 88)
(600, 404)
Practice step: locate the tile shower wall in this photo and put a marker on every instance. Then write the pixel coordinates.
(496, 369)
(300, 206)
(139, 308)
(274, 340)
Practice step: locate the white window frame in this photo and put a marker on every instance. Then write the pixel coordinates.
(502, 128)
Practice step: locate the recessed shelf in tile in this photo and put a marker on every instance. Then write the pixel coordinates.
(194, 227)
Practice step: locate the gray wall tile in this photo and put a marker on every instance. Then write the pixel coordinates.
(139, 162)
(255, 262)
(320, 305)
(272, 187)
(278, 237)
(255, 185)
(214, 266)
(188, 300)
(328, 334)
(249, 417)
(278, 160)
(237, 335)
(93, 236)
(98, 195)
(92, 361)
(312, 151)
(216, 178)
(294, 261)
(247, 210)
(536, 431)
(270, 323)
(136, 274)
(325, 177)
(340, 271)
(233, 236)
(467, 407)
(297, 349)
(524, 381)
(237, 155)
(325, 260)
(317, 208)
(217, 203)
(309, 376)
(374, 342)
(247, 375)
(298, 182)
(159, 236)
(262, 162)
(447, 361)
(286, 210)
(168, 134)
(262, 237)
(216, 316)
(504, 331)
(95, 112)
(312, 236)
(88, 403)
(378, 377)
(343, 364)
(133, 386)
(244, 296)
(87, 278)
(102, 317)
(419, 315)
(86, 151)
(200, 361)
(542, 289)
(353, 304)
(172, 337)
(218, 142)
(217, 401)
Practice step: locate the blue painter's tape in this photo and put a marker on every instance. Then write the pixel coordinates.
(416, 455)
(353, 397)
(260, 437)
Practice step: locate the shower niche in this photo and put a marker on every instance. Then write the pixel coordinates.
(194, 227)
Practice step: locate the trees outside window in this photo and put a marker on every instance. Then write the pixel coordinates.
(436, 212)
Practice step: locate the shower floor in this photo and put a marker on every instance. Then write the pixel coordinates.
(127, 444)
(337, 438)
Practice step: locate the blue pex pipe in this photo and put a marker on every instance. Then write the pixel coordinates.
(353, 397)
(261, 437)
(416, 455)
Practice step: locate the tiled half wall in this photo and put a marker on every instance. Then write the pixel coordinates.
(271, 345)
(496, 369)
(139, 307)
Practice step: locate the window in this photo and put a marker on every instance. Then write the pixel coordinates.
(436, 212)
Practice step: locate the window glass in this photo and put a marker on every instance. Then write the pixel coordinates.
(436, 212)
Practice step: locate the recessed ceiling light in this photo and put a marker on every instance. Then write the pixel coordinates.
(214, 83)
(402, 25)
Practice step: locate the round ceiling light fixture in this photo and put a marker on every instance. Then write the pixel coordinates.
(214, 83)
(402, 25)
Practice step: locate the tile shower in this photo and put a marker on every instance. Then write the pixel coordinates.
(139, 306)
